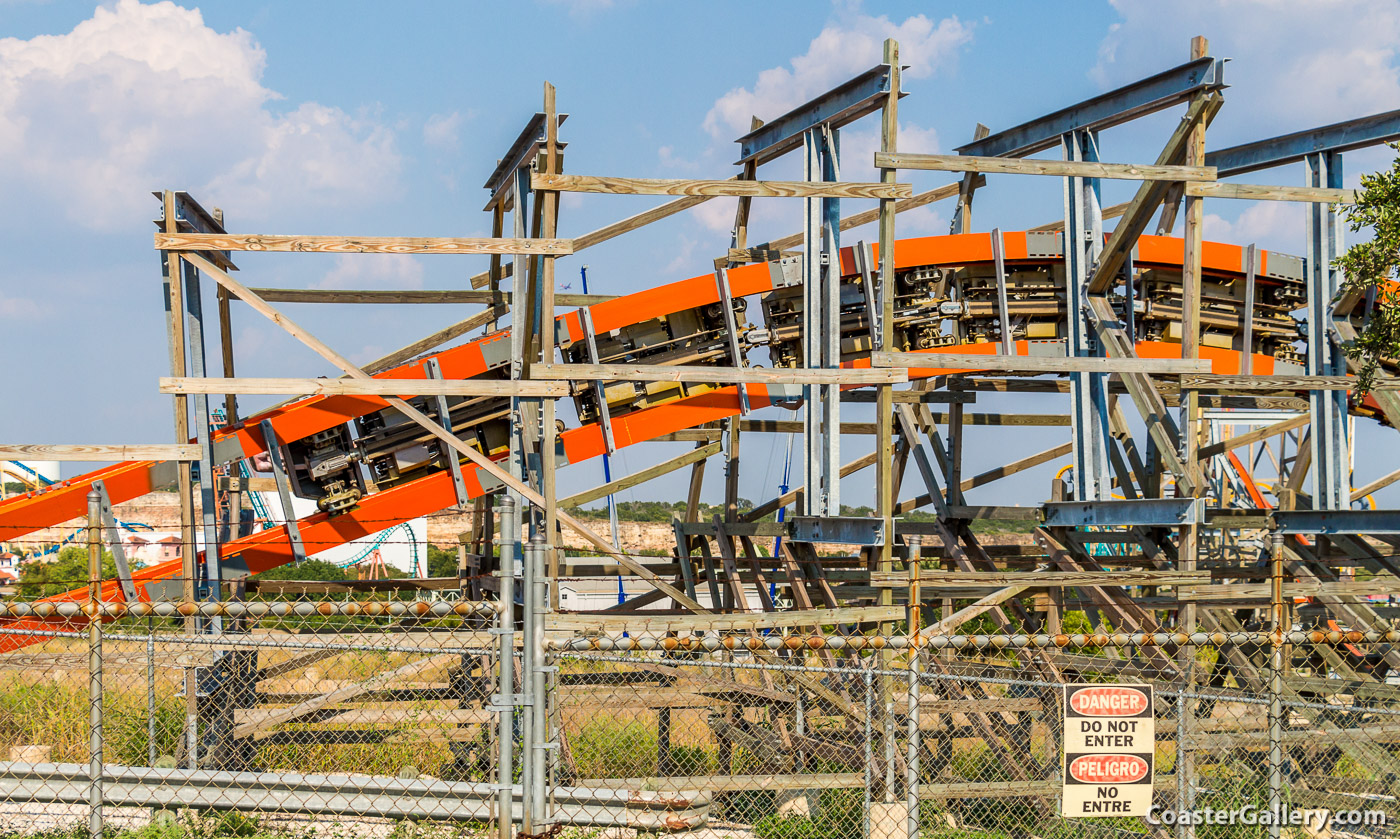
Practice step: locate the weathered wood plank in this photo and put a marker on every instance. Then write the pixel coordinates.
(380, 387)
(1043, 579)
(716, 187)
(1057, 168)
(865, 217)
(1302, 588)
(411, 296)
(1253, 436)
(1037, 364)
(642, 476)
(112, 454)
(1028, 420)
(697, 373)
(1194, 381)
(1260, 192)
(359, 244)
(642, 623)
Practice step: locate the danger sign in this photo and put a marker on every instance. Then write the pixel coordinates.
(1109, 741)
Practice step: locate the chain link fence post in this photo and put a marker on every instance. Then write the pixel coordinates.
(534, 641)
(94, 534)
(505, 698)
(1276, 653)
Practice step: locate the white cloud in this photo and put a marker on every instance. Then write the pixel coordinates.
(440, 130)
(858, 147)
(140, 97)
(1296, 63)
(374, 270)
(844, 48)
(717, 214)
(668, 159)
(21, 307)
(583, 8)
(1274, 225)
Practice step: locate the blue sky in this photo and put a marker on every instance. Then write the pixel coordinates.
(354, 119)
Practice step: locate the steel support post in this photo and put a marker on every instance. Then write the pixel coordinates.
(171, 271)
(821, 327)
(522, 412)
(94, 537)
(1331, 473)
(1088, 391)
(505, 697)
(208, 492)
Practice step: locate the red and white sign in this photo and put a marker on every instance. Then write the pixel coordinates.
(1109, 769)
(1110, 701)
(1109, 739)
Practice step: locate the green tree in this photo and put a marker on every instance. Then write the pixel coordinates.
(311, 569)
(442, 562)
(1375, 265)
(65, 572)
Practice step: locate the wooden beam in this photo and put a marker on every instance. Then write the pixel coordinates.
(697, 373)
(1046, 579)
(376, 387)
(962, 616)
(1021, 465)
(726, 187)
(865, 217)
(1149, 195)
(1302, 588)
(1028, 420)
(1036, 364)
(436, 339)
(1112, 211)
(1057, 168)
(643, 623)
(1253, 436)
(788, 497)
(642, 219)
(643, 476)
(1193, 381)
(411, 296)
(108, 454)
(185, 242)
(481, 461)
(1376, 485)
(1261, 192)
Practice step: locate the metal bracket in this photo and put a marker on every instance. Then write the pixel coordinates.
(1008, 346)
(585, 316)
(434, 371)
(284, 489)
(1146, 512)
(731, 323)
(113, 538)
(846, 530)
(874, 307)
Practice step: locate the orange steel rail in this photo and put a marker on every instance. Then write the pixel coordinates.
(271, 548)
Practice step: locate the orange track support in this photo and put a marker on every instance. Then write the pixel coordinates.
(270, 548)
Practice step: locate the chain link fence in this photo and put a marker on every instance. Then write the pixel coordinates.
(402, 717)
